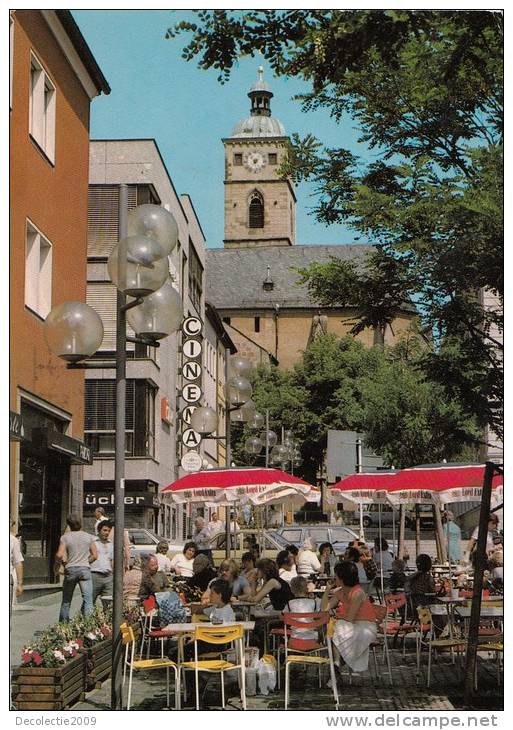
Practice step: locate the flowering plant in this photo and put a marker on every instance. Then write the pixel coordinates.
(59, 643)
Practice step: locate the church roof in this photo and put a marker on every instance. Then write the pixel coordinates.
(259, 127)
(260, 123)
(235, 275)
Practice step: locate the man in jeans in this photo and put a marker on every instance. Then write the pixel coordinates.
(101, 569)
(77, 551)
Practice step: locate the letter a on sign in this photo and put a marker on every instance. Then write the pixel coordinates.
(191, 438)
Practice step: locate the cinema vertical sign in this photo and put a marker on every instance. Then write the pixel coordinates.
(191, 393)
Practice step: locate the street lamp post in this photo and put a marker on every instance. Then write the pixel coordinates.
(139, 268)
(238, 402)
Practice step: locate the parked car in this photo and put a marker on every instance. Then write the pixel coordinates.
(270, 544)
(371, 515)
(425, 514)
(145, 542)
(338, 535)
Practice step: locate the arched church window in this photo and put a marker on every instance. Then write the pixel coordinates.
(256, 210)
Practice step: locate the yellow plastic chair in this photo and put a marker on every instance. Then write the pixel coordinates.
(496, 647)
(218, 635)
(456, 644)
(130, 663)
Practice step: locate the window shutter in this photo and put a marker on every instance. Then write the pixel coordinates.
(102, 298)
(100, 405)
(102, 220)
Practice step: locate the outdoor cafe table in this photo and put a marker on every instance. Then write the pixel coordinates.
(449, 604)
(188, 628)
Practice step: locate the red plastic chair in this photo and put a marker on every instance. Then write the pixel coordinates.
(308, 651)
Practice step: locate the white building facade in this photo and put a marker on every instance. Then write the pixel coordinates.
(152, 446)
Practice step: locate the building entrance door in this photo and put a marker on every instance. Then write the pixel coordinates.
(40, 509)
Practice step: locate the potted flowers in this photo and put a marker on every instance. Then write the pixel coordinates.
(52, 671)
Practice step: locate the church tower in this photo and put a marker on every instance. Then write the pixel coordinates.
(259, 206)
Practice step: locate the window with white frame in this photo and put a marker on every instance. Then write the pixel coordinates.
(42, 108)
(38, 272)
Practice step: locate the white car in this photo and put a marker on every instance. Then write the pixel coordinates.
(144, 542)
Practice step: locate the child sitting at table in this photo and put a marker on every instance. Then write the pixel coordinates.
(220, 595)
(302, 603)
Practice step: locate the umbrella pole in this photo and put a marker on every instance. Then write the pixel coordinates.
(362, 535)
(417, 531)
(439, 529)
(400, 547)
(393, 533)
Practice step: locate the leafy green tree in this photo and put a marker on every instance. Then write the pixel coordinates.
(425, 89)
(340, 384)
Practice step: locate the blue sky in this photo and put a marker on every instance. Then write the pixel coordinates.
(155, 93)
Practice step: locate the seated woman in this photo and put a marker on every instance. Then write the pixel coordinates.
(286, 565)
(273, 586)
(421, 583)
(161, 554)
(182, 563)
(356, 627)
(229, 571)
(308, 563)
(279, 594)
(249, 570)
(382, 555)
(354, 555)
(203, 572)
(327, 558)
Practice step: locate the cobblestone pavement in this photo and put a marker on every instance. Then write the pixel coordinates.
(365, 693)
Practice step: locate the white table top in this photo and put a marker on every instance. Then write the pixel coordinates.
(448, 599)
(486, 611)
(186, 628)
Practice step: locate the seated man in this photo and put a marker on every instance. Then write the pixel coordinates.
(153, 580)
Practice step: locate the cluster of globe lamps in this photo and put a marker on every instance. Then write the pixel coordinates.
(139, 267)
(242, 409)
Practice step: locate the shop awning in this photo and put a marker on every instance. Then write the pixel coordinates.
(76, 450)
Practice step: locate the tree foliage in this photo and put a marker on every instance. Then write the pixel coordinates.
(340, 384)
(425, 89)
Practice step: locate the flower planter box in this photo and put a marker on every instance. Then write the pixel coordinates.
(41, 688)
(98, 662)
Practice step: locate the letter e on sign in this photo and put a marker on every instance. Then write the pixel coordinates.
(191, 393)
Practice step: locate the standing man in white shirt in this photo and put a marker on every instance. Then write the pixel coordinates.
(102, 568)
(215, 525)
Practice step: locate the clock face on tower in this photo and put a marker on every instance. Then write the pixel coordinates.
(254, 161)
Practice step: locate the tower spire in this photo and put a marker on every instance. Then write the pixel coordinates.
(260, 95)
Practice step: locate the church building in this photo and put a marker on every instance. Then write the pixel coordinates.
(253, 280)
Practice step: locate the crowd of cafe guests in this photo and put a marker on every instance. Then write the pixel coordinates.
(351, 583)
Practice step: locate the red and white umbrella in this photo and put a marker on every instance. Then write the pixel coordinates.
(442, 484)
(238, 484)
(363, 488)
